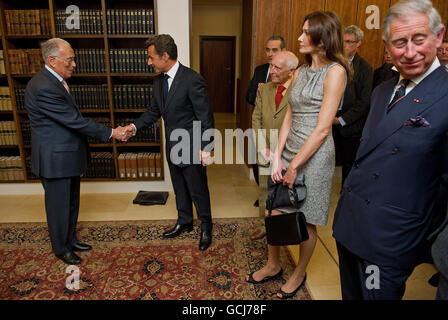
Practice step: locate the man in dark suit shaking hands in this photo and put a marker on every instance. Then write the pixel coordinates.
(388, 200)
(59, 154)
(180, 97)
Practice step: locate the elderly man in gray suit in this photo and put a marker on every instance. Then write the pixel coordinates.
(59, 154)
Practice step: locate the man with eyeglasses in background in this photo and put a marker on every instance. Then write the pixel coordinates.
(350, 118)
(59, 148)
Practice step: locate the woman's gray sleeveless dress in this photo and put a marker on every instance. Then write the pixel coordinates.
(305, 100)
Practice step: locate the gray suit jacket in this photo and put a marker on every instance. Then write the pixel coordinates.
(58, 129)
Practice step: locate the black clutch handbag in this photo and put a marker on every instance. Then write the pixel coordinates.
(149, 198)
(288, 228)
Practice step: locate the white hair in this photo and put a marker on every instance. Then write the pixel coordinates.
(291, 59)
(51, 47)
(402, 9)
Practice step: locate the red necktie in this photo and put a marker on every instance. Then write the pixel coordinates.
(279, 96)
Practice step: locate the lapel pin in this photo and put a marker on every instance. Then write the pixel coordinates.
(416, 100)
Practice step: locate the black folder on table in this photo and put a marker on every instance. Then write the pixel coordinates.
(149, 198)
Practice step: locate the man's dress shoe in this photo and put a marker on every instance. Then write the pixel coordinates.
(177, 230)
(81, 247)
(206, 239)
(69, 258)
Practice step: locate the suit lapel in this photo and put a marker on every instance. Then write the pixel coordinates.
(174, 85)
(61, 87)
(157, 92)
(382, 125)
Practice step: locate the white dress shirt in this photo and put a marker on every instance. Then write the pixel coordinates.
(414, 82)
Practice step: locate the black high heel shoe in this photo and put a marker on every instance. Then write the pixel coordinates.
(265, 279)
(286, 295)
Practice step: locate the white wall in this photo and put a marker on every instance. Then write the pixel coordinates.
(173, 17)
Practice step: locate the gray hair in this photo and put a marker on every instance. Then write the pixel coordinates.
(402, 9)
(51, 47)
(282, 41)
(359, 34)
(291, 59)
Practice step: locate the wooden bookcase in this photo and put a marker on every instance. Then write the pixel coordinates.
(96, 32)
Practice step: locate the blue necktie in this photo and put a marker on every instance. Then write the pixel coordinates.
(165, 88)
(399, 94)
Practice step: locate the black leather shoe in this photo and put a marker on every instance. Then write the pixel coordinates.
(81, 247)
(206, 238)
(177, 230)
(70, 258)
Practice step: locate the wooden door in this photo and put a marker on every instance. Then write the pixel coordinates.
(217, 63)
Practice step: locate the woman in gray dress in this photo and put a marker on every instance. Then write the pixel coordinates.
(305, 142)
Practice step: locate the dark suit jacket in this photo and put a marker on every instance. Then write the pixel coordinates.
(59, 142)
(260, 75)
(388, 199)
(356, 99)
(383, 73)
(187, 102)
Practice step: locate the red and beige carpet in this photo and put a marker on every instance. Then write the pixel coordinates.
(131, 261)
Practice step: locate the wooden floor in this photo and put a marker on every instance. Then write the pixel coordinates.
(232, 195)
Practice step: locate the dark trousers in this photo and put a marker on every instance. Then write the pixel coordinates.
(190, 186)
(346, 148)
(256, 173)
(62, 207)
(358, 282)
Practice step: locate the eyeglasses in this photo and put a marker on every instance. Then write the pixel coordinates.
(68, 60)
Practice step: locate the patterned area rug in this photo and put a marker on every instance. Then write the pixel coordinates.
(131, 261)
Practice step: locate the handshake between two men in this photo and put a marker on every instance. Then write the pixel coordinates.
(123, 133)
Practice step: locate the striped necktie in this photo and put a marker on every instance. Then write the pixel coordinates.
(399, 94)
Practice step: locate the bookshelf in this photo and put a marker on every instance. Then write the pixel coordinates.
(112, 83)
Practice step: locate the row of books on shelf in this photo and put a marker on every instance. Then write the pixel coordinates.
(28, 22)
(130, 21)
(91, 96)
(11, 168)
(101, 166)
(90, 22)
(90, 61)
(26, 131)
(130, 60)
(29, 174)
(19, 92)
(141, 165)
(8, 133)
(132, 96)
(2, 63)
(5, 99)
(29, 61)
(128, 96)
(25, 61)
